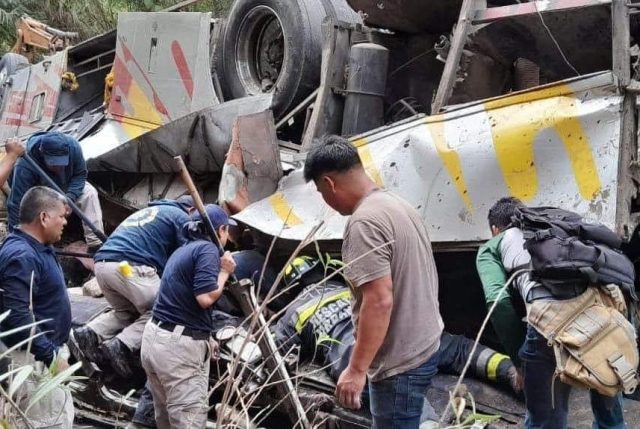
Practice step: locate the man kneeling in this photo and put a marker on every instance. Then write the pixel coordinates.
(176, 344)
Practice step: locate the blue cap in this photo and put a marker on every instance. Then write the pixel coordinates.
(54, 148)
(218, 216)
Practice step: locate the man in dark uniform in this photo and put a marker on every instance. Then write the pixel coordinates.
(128, 269)
(32, 284)
(177, 342)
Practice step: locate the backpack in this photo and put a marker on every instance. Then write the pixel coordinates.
(593, 343)
(569, 253)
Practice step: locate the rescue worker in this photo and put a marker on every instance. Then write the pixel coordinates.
(395, 285)
(547, 398)
(30, 276)
(128, 268)
(177, 342)
(319, 321)
(61, 156)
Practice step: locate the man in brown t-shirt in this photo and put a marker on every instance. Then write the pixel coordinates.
(395, 285)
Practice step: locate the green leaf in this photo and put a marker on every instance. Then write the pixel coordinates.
(482, 418)
(20, 378)
(49, 386)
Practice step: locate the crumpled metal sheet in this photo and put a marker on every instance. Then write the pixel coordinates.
(556, 145)
(252, 168)
(202, 138)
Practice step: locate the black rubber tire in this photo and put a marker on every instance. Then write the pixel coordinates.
(301, 24)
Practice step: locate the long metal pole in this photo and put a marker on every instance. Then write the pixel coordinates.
(73, 205)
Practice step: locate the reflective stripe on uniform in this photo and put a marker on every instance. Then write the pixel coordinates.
(306, 313)
(493, 364)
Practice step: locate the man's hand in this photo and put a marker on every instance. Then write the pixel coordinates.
(61, 364)
(14, 148)
(349, 388)
(227, 264)
(516, 379)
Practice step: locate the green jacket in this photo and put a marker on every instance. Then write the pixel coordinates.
(510, 328)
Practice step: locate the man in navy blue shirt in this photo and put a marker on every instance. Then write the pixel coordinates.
(61, 156)
(30, 273)
(128, 268)
(177, 342)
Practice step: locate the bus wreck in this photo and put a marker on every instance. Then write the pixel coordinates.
(536, 100)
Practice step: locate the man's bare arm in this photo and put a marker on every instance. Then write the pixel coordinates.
(14, 150)
(227, 267)
(373, 322)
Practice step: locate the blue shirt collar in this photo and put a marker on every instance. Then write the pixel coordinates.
(32, 241)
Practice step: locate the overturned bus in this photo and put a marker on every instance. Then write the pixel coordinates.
(536, 100)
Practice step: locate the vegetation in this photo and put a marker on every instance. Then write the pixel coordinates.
(28, 389)
(87, 17)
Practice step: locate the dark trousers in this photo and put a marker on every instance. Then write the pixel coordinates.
(543, 412)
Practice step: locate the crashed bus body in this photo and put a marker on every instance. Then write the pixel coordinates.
(233, 99)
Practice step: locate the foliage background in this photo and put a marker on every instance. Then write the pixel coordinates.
(88, 17)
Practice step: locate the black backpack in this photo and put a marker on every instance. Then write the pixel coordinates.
(568, 252)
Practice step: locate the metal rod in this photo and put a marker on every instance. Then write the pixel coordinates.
(193, 191)
(95, 57)
(73, 205)
(303, 105)
(62, 252)
(180, 5)
(106, 66)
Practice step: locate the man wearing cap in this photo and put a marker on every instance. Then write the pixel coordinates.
(177, 342)
(61, 156)
(128, 267)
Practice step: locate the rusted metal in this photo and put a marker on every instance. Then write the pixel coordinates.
(482, 16)
(326, 117)
(252, 168)
(453, 58)
(621, 41)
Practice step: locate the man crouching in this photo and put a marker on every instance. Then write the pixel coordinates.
(176, 341)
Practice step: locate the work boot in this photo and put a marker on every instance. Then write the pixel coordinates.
(118, 355)
(87, 342)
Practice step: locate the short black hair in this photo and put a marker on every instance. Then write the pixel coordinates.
(502, 211)
(37, 200)
(330, 153)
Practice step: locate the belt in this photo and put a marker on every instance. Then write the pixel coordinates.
(133, 264)
(196, 335)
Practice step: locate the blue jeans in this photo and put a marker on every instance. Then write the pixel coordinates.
(538, 365)
(397, 401)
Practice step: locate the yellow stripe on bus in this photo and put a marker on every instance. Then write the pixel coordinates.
(367, 161)
(283, 210)
(515, 128)
(450, 159)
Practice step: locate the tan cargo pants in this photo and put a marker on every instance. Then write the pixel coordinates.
(177, 370)
(132, 300)
(89, 203)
